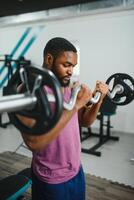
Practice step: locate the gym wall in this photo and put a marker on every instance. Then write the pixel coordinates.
(106, 43)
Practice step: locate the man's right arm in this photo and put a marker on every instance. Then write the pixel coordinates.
(38, 142)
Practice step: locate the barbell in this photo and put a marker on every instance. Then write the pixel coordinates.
(32, 102)
(40, 88)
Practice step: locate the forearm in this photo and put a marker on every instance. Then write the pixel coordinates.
(89, 114)
(38, 142)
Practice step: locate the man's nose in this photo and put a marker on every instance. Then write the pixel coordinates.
(70, 70)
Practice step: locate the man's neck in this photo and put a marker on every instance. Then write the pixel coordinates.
(62, 90)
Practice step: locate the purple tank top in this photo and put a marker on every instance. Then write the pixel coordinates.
(60, 160)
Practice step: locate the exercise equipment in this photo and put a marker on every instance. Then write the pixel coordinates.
(124, 84)
(13, 187)
(107, 110)
(121, 93)
(10, 65)
(34, 100)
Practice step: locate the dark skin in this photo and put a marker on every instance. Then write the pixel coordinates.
(63, 67)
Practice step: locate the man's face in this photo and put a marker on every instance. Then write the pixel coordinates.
(63, 66)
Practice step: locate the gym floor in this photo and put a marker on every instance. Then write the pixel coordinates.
(116, 162)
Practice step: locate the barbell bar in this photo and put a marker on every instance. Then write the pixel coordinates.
(17, 102)
(30, 102)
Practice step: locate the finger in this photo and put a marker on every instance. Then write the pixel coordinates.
(98, 82)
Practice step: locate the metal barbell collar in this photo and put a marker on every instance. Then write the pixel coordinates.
(118, 89)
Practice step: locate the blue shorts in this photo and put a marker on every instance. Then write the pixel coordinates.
(73, 189)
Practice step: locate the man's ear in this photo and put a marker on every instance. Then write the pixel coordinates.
(49, 60)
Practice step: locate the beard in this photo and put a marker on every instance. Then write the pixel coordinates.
(64, 81)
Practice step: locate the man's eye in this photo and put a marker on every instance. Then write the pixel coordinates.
(66, 65)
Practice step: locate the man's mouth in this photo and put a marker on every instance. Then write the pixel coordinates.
(67, 78)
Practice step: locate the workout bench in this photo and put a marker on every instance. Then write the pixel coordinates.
(14, 186)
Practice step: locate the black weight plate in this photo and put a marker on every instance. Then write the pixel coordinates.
(127, 82)
(42, 113)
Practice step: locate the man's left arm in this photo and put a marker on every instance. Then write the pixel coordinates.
(87, 115)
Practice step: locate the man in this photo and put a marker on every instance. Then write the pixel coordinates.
(57, 172)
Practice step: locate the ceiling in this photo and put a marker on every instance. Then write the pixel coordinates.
(15, 7)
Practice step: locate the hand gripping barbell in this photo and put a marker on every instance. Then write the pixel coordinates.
(34, 102)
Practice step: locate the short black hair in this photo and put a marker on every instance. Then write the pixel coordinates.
(57, 45)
